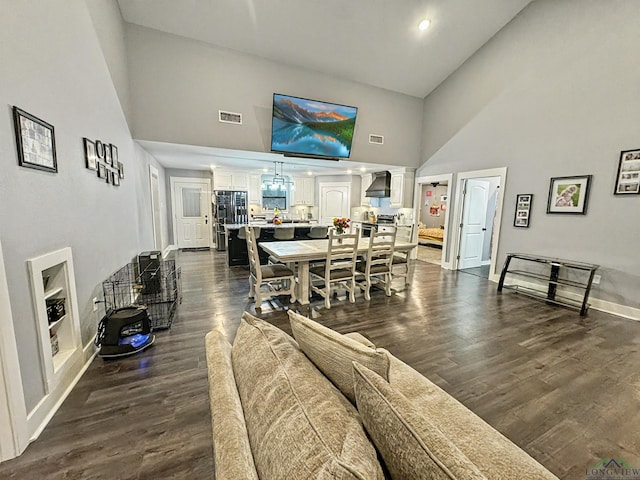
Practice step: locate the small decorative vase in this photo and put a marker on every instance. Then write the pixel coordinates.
(339, 231)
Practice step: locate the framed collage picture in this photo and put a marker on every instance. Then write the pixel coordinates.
(103, 157)
(523, 210)
(36, 142)
(628, 178)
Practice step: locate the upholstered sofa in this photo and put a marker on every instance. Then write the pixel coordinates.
(323, 405)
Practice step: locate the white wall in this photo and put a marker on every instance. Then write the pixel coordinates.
(554, 93)
(178, 86)
(109, 27)
(143, 202)
(53, 67)
(436, 192)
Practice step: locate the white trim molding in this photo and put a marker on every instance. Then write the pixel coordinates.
(13, 414)
(459, 204)
(158, 230)
(417, 202)
(605, 306)
(42, 414)
(168, 250)
(172, 182)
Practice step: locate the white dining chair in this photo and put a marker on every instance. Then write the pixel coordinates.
(339, 267)
(378, 265)
(400, 267)
(318, 232)
(279, 279)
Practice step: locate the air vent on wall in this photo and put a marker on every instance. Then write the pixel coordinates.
(229, 117)
(377, 139)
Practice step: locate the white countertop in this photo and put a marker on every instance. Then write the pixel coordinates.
(235, 226)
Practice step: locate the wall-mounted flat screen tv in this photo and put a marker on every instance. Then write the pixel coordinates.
(311, 128)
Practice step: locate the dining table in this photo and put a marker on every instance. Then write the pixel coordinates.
(303, 252)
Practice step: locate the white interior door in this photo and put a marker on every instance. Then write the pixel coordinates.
(335, 201)
(191, 201)
(474, 215)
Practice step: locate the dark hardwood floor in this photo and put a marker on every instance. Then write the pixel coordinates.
(564, 388)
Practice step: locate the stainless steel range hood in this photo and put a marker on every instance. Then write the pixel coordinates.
(381, 185)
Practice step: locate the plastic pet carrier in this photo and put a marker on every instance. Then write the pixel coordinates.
(124, 331)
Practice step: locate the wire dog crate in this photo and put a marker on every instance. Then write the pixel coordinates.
(157, 286)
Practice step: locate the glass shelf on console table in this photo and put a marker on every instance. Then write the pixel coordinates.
(573, 279)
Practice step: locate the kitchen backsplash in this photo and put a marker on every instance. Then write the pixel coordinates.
(405, 215)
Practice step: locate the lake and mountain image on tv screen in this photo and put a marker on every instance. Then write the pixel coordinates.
(309, 127)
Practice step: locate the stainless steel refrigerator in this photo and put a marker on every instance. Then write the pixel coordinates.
(229, 207)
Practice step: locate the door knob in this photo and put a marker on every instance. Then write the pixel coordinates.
(484, 229)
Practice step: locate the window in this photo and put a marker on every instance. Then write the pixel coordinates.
(275, 194)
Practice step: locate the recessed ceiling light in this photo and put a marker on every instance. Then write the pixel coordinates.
(349, 172)
(363, 169)
(212, 167)
(424, 24)
(309, 173)
(265, 170)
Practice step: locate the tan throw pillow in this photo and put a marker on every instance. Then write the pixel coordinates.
(334, 353)
(411, 446)
(300, 426)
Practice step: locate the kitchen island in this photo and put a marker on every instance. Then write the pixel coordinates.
(237, 247)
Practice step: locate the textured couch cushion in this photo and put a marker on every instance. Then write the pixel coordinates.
(334, 353)
(299, 424)
(409, 444)
(493, 453)
(231, 449)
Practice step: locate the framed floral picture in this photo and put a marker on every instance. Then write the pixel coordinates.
(569, 194)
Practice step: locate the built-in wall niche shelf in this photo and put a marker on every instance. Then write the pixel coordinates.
(52, 293)
(56, 307)
(53, 325)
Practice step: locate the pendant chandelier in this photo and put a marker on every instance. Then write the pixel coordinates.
(278, 181)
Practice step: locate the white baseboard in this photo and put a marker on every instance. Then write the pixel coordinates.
(166, 251)
(605, 306)
(51, 402)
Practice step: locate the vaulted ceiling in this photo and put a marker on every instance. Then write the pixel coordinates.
(375, 42)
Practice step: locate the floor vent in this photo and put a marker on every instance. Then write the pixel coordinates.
(377, 139)
(229, 117)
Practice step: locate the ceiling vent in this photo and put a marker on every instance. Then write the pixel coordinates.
(229, 117)
(377, 139)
